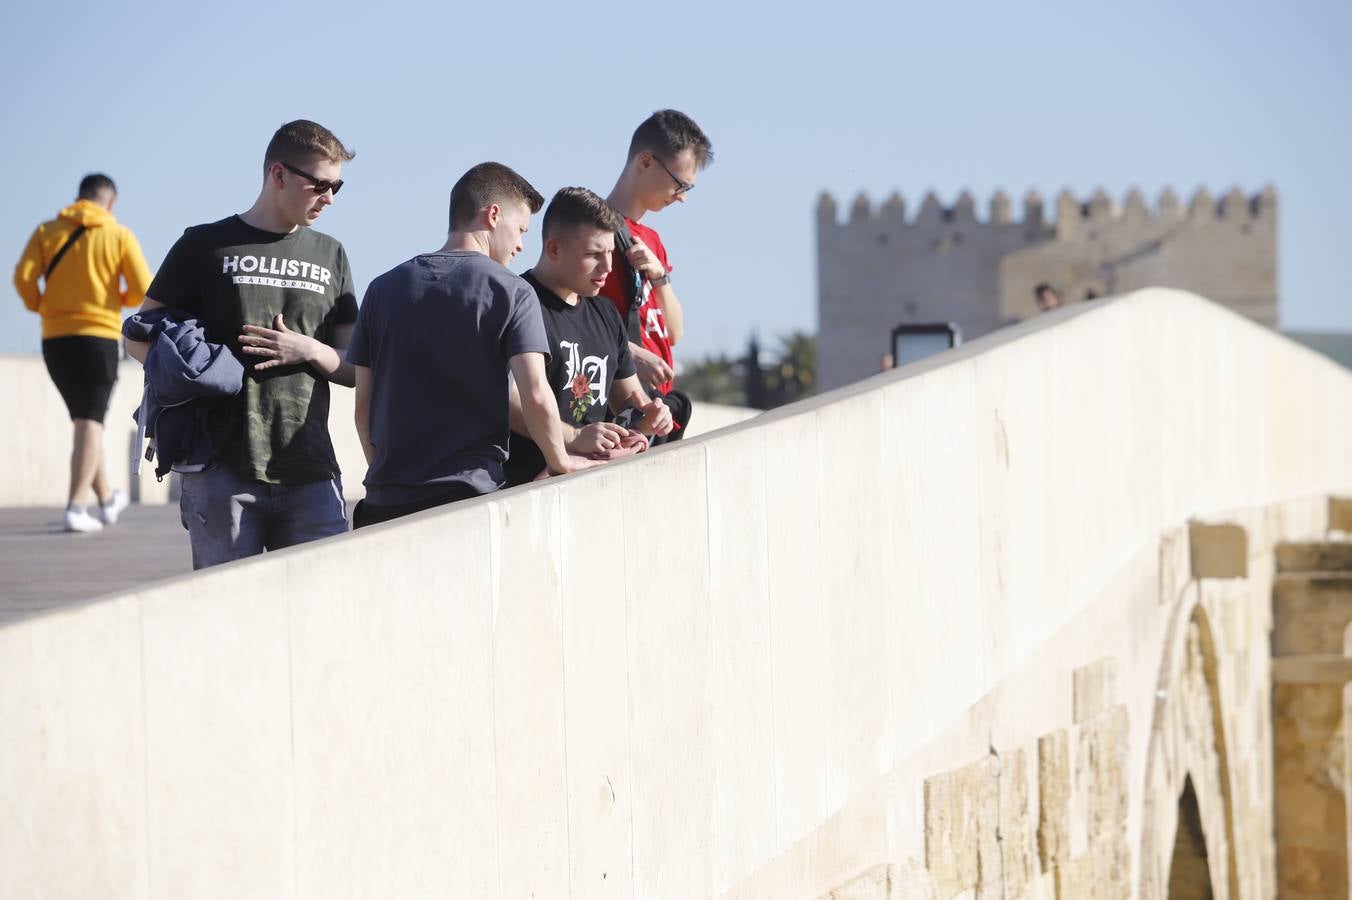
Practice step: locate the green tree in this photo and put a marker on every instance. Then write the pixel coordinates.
(790, 374)
(714, 379)
(793, 375)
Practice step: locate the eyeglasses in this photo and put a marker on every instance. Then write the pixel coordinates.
(320, 185)
(682, 187)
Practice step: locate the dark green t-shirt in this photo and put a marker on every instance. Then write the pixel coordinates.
(229, 274)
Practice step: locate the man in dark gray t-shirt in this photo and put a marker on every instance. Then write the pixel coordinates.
(437, 333)
(434, 341)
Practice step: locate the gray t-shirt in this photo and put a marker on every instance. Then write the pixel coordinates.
(437, 333)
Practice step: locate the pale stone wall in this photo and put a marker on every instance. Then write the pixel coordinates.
(35, 447)
(35, 443)
(1004, 610)
(879, 269)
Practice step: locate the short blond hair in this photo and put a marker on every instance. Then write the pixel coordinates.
(299, 141)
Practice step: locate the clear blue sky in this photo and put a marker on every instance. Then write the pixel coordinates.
(177, 101)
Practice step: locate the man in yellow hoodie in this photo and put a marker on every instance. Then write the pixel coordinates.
(89, 267)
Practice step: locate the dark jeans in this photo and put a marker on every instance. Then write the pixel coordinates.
(370, 514)
(229, 517)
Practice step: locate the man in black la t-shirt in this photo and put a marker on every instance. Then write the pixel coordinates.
(590, 368)
(280, 297)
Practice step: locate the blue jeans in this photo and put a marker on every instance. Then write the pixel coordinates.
(229, 517)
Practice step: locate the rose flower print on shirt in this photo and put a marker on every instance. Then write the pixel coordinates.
(585, 380)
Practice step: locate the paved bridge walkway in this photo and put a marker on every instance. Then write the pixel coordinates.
(43, 567)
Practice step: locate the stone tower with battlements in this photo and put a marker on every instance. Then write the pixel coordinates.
(880, 268)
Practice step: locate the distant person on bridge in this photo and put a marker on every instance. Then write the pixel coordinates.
(1046, 297)
(590, 371)
(280, 296)
(434, 342)
(90, 267)
(666, 155)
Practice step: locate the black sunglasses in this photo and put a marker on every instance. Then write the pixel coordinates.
(682, 187)
(320, 185)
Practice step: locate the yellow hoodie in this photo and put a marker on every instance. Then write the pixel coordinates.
(85, 292)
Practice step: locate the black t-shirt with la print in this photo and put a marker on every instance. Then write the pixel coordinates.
(589, 350)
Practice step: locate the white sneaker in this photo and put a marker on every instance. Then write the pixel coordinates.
(110, 511)
(79, 519)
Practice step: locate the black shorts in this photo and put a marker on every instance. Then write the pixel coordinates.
(84, 370)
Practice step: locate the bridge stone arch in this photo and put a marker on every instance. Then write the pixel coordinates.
(1188, 770)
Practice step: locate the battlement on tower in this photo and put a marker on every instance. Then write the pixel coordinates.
(1099, 208)
(881, 264)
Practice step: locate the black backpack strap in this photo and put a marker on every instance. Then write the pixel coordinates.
(631, 283)
(70, 240)
(623, 238)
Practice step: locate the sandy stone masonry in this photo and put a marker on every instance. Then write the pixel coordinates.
(1312, 674)
(979, 820)
(985, 837)
(1232, 750)
(879, 268)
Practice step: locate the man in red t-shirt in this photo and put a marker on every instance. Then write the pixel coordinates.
(666, 155)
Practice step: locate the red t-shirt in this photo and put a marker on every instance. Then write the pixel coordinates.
(653, 326)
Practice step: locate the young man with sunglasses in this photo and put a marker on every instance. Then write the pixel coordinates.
(666, 155)
(279, 296)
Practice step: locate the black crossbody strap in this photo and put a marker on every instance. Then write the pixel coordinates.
(70, 240)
